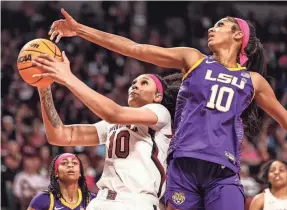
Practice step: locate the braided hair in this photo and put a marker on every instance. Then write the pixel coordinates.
(54, 186)
(171, 84)
(256, 62)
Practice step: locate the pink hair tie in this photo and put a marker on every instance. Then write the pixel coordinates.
(60, 158)
(157, 83)
(243, 25)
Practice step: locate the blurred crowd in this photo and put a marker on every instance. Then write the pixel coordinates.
(25, 153)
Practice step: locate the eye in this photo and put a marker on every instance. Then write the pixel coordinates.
(134, 82)
(144, 82)
(64, 163)
(220, 24)
(75, 163)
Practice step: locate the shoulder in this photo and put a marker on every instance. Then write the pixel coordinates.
(41, 200)
(158, 109)
(256, 79)
(163, 117)
(102, 125)
(191, 57)
(257, 202)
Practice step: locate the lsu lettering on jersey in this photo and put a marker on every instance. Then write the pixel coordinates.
(207, 121)
(47, 201)
(136, 154)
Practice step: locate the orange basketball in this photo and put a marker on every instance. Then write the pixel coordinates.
(29, 52)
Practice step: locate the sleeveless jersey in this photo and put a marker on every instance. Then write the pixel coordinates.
(273, 203)
(136, 154)
(207, 120)
(47, 201)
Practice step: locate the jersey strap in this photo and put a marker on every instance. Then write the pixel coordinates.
(51, 201)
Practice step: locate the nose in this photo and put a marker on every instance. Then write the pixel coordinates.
(211, 30)
(70, 165)
(135, 86)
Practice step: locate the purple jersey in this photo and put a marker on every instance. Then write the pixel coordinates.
(207, 120)
(47, 201)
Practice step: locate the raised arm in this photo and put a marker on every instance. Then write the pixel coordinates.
(102, 106)
(60, 134)
(266, 99)
(182, 58)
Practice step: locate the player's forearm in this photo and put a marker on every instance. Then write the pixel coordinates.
(112, 42)
(164, 57)
(51, 119)
(100, 105)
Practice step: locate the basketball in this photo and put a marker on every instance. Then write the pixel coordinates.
(30, 51)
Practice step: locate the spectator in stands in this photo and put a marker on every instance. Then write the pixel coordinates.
(28, 182)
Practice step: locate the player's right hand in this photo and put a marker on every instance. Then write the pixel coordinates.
(63, 28)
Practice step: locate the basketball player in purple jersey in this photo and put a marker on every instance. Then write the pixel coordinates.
(67, 190)
(214, 107)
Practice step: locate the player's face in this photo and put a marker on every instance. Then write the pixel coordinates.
(142, 91)
(222, 35)
(69, 169)
(278, 174)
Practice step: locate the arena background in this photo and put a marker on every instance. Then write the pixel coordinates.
(167, 24)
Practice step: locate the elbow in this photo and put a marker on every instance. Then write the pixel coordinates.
(111, 118)
(112, 115)
(53, 139)
(56, 138)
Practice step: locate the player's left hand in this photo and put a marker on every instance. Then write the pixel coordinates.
(60, 72)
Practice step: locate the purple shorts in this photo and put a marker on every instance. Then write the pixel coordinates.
(194, 184)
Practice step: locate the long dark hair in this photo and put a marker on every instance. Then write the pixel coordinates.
(171, 84)
(54, 186)
(254, 50)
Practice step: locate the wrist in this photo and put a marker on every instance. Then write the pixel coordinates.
(70, 81)
(78, 29)
(44, 89)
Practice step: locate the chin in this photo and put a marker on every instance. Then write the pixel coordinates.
(131, 102)
(211, 46)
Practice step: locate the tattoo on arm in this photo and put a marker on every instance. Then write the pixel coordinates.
(47, 101)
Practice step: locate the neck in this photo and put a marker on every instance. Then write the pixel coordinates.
(279, 192)
(226, 57)
(69, 191)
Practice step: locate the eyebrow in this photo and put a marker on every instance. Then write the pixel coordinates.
(66, 159)
(146, 78)
(221, 21)
(142, 78)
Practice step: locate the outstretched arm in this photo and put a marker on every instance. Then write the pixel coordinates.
(266, 99)
(102, 106)
(182, 58)
(60, 134)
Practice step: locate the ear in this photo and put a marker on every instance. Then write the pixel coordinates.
(238, 35)
(158, 98)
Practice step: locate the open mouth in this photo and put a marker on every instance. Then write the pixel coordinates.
(277, 178)
(70, 172)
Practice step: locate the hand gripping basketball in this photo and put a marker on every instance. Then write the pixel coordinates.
(60, 72)
(63, 28)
